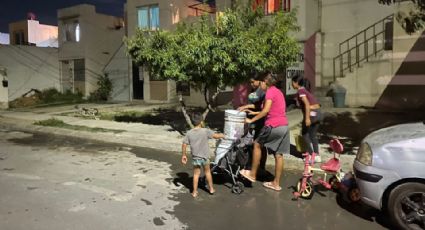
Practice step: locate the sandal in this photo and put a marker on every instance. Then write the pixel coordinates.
(270, 185)
(246, 175)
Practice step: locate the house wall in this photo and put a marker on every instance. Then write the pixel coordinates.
(4, 90)
(118, 72)
(35, 33)
(170, 13)
(405, 86)
(4, 39)
(100, 38)
(42, 35)
(18, 27)
(29, 67)
(341, 19)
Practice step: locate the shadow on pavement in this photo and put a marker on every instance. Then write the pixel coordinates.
(367, 213)
(175, 119)
(351, 128)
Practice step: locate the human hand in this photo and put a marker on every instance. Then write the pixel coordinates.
(307, 122)
(248, 121)
(184, 159)
(242, 108)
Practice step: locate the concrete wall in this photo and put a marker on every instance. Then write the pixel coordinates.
(100, 38)
(341, 19)
(42, 35)
(35, 33)
(4, 39)
(29, 67)
(118, 72)
(394, 79)
(4, 90)
(405, 87)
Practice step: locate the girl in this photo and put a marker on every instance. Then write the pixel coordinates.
(311, 114)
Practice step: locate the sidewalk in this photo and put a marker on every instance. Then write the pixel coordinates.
(135, 134)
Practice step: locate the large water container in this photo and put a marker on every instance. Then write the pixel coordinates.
(234, 124)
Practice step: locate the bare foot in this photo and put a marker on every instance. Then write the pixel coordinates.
(194, 194)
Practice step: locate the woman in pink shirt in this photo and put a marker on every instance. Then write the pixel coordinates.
(275, 134)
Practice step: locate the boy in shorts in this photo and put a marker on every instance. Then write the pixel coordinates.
(197, 138)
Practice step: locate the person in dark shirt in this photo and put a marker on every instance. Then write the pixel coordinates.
(311, 114)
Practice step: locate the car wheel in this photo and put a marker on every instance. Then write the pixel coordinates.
(406, 206)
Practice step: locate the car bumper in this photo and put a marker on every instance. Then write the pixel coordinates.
(372, 183)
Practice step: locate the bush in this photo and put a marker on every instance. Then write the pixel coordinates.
(52, 95)
(103, 92)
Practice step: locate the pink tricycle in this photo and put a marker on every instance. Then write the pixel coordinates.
(337, 181)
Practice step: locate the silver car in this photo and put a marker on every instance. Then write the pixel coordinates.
(390, 173)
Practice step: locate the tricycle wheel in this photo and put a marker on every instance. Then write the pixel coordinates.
(308, 191)
(334, 182)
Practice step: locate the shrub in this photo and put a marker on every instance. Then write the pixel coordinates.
(103, 92)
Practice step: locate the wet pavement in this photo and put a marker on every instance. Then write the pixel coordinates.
(51, 182)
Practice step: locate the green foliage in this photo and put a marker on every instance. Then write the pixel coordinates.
(104, 90)
(52, 95)
(413, 20)
(221, 52)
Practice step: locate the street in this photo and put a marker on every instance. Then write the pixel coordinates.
(55, 182)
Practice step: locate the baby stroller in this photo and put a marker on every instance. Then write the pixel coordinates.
(231, 157)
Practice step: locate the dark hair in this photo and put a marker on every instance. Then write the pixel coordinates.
(256, 76)
(268, 77)
(302, 81)
(197, 119)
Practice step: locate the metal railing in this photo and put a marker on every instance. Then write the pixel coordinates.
(362, 46)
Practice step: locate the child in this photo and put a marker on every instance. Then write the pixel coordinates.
(311, 114)
(197, 138)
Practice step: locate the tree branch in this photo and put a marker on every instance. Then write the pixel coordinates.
(186, 116)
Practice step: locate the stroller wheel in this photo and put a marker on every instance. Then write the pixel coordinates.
(238, 187)
(308, 191)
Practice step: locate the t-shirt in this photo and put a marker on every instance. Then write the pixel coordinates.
(302, 92)
(277, 114)
(197, 138)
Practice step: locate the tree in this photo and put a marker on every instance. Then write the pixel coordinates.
(413, 21)
(214, 52)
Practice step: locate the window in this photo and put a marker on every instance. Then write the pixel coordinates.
(71, 31)
(19, 38)
(79, 70)
(272, 6)
(148, 17)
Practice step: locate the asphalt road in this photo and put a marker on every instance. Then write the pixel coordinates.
(54, 182)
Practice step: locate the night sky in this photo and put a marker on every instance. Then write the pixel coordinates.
(46, 10)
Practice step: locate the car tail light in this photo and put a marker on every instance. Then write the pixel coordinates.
(364, 155)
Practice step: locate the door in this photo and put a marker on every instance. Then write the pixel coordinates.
(137, 82)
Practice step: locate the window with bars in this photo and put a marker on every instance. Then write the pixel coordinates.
(148, 17)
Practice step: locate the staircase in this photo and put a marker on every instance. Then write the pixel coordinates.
(364, 63)
(363, 46)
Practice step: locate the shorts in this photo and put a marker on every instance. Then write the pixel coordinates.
(200, 161)
(276, 140)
